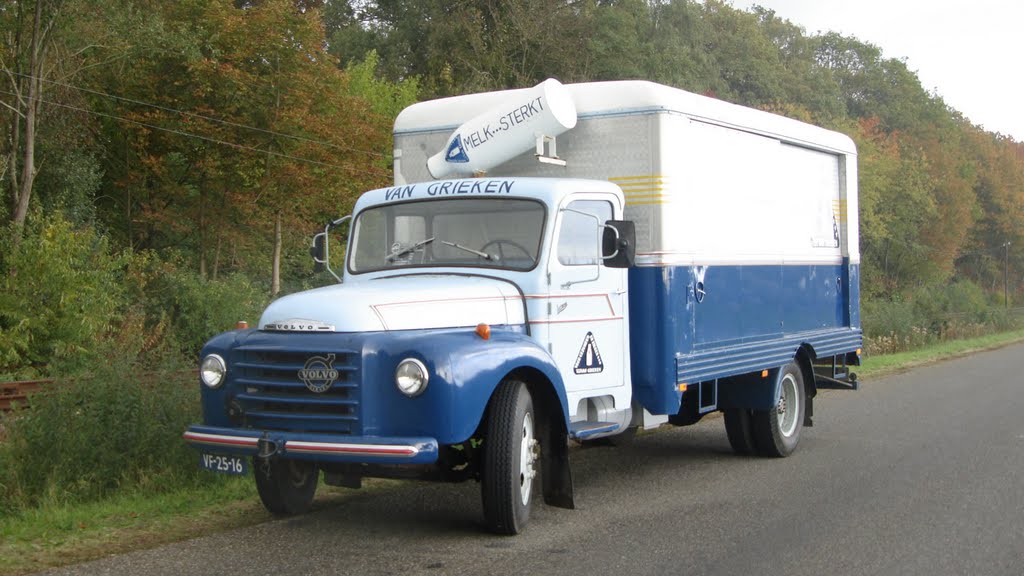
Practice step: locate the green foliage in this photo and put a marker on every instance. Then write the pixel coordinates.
(66, 299)
(69, 184)
(198, 309)
(61, 292)
(618, 41)
(896, 205)
(86, 438)
(386, 99)
(932, 313)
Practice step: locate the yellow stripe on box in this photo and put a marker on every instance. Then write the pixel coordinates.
(643, 190)
(630, 199)
(633, 191)
(647, 202)
(622, 178)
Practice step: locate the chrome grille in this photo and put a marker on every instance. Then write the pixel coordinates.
(268, 392)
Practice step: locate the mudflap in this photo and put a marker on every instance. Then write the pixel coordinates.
(556, 473)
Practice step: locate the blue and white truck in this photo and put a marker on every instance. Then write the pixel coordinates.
(554, 264)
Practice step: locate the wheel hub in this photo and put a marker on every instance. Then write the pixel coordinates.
(789, 406)
(528, 452)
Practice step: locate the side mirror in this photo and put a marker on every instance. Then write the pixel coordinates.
(317, 252)
(618, 244)
(320, 249)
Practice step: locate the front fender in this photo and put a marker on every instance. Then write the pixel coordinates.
(464, 372)
(480, 366)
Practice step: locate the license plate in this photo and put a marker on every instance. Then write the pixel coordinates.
(223, 464)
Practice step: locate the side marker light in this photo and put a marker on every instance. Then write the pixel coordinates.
(483, 331)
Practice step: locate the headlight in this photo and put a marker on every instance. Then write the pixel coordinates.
(212, 370)
(411, 377)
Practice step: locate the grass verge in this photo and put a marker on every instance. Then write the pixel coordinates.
(875, 366)
(61, 534)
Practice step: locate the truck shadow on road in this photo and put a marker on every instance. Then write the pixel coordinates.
(600, 473)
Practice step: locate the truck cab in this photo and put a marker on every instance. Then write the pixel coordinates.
(537, 241)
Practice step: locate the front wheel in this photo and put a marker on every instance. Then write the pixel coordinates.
(777, 431)
(510, 462)
(286, 487)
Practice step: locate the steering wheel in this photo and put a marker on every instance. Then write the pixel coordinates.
(501, 253)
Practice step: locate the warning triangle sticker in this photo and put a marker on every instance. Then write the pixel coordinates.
(455, 152)
(589, 359)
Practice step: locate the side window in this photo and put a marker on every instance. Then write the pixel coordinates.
(579, 236)
(369, 241)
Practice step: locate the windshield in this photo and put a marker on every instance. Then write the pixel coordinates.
(477, 232)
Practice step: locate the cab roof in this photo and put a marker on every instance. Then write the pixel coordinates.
(550, 191)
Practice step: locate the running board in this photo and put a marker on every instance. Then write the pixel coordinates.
(585, 429)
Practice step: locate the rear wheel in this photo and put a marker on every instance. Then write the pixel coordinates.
(777, 431)
(739, 428)
(510, 459)
(286, 487)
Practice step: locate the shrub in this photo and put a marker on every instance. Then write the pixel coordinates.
(932, 313)
(61, 291)
(85, 438)
(197, 309)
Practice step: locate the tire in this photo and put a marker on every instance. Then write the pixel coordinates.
(286, 487)
(510, 459)
(740, 430)
(777, 431)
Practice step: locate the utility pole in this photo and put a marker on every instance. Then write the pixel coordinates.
(1006, 275)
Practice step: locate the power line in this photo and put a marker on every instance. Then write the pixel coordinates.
(195, 115)
(201, 137)
(984, 250)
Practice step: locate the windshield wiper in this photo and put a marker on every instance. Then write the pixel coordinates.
(403, 251)
(479, 253)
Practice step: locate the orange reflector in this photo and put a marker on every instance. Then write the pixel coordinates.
(682, 387)
(241, 325)
(483, 331)
(764, 373)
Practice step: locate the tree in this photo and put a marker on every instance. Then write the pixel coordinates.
(256, 141)
(54, 52)
(28, 56)
(459, 47)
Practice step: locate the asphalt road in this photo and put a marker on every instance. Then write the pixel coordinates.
(917, 473)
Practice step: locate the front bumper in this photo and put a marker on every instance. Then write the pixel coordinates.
(315, 447)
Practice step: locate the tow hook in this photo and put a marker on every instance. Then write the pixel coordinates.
(266, 447)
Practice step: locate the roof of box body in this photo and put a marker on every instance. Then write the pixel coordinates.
(596, 99)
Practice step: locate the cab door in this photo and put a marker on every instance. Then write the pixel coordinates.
(586, 312)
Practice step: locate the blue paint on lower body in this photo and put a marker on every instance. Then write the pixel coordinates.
(263, 392)
(742, 319)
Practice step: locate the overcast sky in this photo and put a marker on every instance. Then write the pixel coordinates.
(967, 51)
